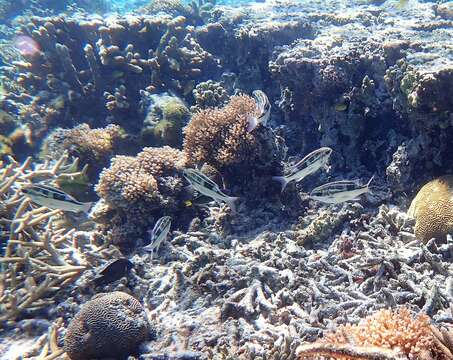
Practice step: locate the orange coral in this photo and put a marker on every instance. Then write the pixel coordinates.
(84, 141)
(219, 136)
(133, 179)
(387, 330)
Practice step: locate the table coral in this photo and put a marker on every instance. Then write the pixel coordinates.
(109, 325)
(432, 209)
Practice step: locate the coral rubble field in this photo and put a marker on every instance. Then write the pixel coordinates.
(109, 105)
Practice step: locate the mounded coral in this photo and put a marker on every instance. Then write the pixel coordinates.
(396, 330)
(110, 325)
(432, 209)
(164, 121)
(138, 190)
(209, 94)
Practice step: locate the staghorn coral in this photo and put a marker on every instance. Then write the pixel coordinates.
(137, 189)
(387, 334)
(109, 325)
(40, 256)
(432, 209)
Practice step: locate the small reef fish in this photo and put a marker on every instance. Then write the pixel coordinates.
(54, 198)
(159, 234)
(264, 110)
(112, 271)
(339, 191)
(206, 186)
(308, 165)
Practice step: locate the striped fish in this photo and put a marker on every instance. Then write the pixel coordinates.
(53, 198)
(307, 166)
(206, 186)
(264, 111)
(339, 191)
(159, 234)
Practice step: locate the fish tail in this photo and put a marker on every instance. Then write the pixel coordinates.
(369, 181)
(231, 201)
(86, 207)
(252, 123)
(282, 180)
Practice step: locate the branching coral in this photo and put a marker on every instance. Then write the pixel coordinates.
(136, 189)
(384, 335)
(38, 256)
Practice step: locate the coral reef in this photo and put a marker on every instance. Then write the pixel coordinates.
(109, 325)
(138, 190)
(432, 209)
(219, 137)
(164, 122)
(39, 257)
(386, 334)
(93, 71)
(93, 147)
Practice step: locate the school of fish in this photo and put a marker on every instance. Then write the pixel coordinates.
(331, 193)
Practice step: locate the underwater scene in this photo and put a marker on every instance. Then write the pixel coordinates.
(226, 180)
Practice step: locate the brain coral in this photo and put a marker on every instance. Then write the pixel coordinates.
(110, 325)
(432, 209)
(219, 136)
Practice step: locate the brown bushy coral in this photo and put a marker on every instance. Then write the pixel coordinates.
(110, 325)
(91, 146)
(432, 209)
(219, 137)
(137, 190)
(389, 334)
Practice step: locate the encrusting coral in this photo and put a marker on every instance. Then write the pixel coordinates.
(432, 209)
(385, 335)
(110, 325)
(138, 189)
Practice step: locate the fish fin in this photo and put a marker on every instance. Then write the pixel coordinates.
(252, 123)
(282, 180)
(369, 181)
(231, 203)
(86, 207)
